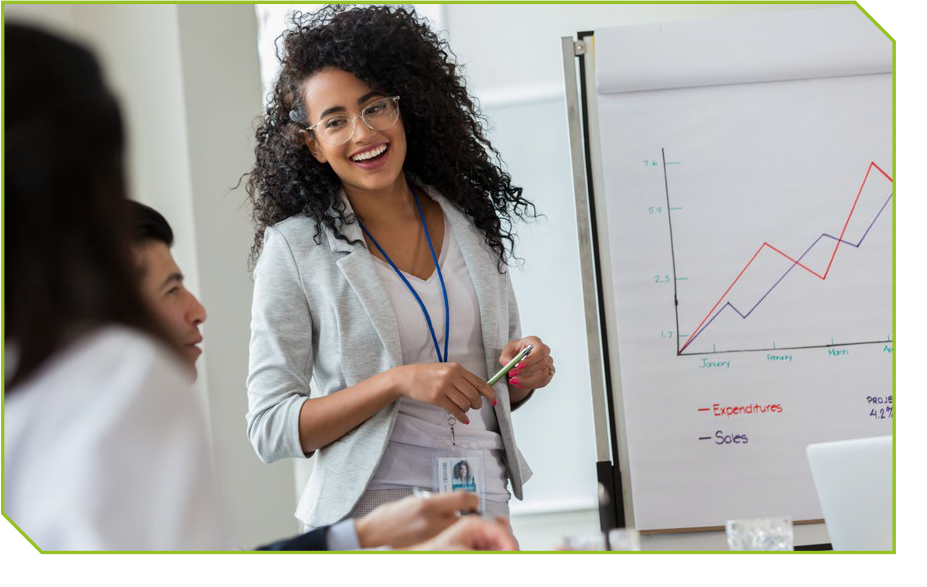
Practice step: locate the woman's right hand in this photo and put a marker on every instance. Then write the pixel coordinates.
(446, 385)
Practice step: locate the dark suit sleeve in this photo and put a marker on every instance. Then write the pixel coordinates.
(316, 539)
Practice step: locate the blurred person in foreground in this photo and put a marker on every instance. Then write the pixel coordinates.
(403, 524)
(104, 445)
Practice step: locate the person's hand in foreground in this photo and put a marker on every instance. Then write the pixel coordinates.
(473, 533)
(412, 520)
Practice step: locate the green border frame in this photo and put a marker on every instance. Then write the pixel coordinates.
(529, 552)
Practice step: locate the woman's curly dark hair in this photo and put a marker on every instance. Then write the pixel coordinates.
(389, 49)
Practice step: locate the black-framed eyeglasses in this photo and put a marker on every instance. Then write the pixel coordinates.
(338, 129)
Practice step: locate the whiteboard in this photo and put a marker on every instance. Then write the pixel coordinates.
(747, 167)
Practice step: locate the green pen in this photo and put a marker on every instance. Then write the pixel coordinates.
(524, 353)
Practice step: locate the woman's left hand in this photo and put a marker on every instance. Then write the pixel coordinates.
(536, 370)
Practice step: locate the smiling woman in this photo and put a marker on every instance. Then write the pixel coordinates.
(374, 159)
(393, 52)
(383, 232)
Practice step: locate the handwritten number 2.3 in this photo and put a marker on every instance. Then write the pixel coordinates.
(661, 278)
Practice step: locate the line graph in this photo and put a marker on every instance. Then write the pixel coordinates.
(723, 304)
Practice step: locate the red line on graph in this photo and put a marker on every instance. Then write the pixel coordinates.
(811, 271)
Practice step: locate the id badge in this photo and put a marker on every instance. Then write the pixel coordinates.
(460, 472)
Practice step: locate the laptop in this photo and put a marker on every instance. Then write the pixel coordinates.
(854, 484)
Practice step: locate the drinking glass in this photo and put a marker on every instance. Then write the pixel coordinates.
(760, 534)
(618, 539)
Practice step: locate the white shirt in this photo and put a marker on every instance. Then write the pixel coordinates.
(421, 430)
(105, 449)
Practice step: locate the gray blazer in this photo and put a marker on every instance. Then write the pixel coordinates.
(320, 311)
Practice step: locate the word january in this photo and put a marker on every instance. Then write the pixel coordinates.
(706, 364)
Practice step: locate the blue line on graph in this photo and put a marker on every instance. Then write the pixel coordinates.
(823, 235)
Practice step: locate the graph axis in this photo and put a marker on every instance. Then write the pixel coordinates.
(680, 349)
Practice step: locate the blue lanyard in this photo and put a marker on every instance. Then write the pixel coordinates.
(447, 312)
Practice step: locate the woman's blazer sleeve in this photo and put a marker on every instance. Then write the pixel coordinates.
(514, 325)
(280, 360)
(512, 303)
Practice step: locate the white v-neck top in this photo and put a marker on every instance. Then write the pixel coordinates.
(421, 430)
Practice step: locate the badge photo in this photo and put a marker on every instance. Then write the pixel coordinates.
(460, 473)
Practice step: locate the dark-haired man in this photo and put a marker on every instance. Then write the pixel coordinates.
(163, 281)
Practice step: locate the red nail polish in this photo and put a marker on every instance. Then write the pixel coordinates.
(514, 381)
(520, 365)
(495, 402)
(466, 421)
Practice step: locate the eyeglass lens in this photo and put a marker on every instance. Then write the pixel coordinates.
(339, 128)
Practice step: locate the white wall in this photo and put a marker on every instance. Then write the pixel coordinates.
(511, 48)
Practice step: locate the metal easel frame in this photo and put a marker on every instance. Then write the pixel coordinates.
(595, 266)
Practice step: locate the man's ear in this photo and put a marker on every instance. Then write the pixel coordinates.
(313, 146)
